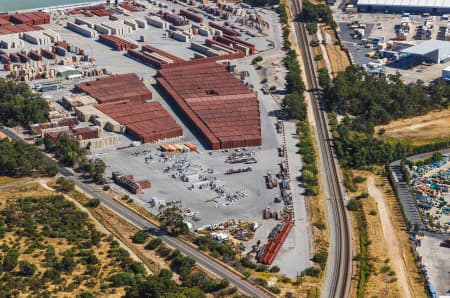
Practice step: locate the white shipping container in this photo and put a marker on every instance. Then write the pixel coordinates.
(446, 73)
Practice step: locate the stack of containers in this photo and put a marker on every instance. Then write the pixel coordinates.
(117, 43)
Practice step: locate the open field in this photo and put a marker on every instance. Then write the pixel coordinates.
(419, 130)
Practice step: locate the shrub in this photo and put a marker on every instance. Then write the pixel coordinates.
(314, 43)
(318, 57)
(93, 203)
(164, 251)
(274, 269)
(26, 268)
(275, 290)
(106, 187)
(246, 262)
(154, 243)
(321, 258)
(263, 81)
(372, 212)
(261, 281)
(122, 279)
(353, 205)
(261, 268)
(359, 179)
(311, 271)
(257, 59)
(385, 269)
(140, 237)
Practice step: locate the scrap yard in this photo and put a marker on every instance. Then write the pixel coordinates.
(166, 95)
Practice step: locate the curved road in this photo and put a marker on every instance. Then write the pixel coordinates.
(208, 263)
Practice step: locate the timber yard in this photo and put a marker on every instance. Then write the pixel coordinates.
(185, 103)
(140, 86)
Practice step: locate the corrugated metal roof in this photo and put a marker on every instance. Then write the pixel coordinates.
(428, 47)
(412, 3)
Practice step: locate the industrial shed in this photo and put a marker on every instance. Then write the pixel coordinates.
(434, 51)
(222, 110)
(436, 7)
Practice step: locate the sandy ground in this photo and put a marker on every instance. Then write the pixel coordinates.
(338, 58)
(390, 236)
(435, 124)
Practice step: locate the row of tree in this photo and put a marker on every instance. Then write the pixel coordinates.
(293, 102)
(18, 105)
(67, 150)
(19, 159)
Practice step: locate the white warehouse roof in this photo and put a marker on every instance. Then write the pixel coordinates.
(428, 47)
(411, 3)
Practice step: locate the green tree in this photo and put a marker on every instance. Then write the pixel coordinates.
(65, 185)
(324, 78)
(140, 237)
(10, 260)
(19, 105)
(295, 106)
(173, 222)
(26, 268)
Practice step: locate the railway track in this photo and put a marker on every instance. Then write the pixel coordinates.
(341, 266)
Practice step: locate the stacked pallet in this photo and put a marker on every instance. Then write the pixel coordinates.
(10, 29)
(148, 122)
(117, 43)
(124, 87)
(236, 43)
(191, 16)
(31, 18)
(225, 30)
(223, 110)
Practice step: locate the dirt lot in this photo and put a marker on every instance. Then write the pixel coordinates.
(432, 126)
(338, 58)
(394, 273)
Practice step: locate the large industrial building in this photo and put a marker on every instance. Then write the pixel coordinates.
(433, 51)
(435, 7)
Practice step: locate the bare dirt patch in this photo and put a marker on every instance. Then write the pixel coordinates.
(338, 58)
(433, 125)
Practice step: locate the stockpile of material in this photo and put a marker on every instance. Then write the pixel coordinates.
(277, 238)
(30, 18)
(148, 122)
(128, 182)
(236, 43)
(9, 29)
(223, 110)
(153, 56)
(117, 43)
(191, 16)
(225, 30)
(123, 87)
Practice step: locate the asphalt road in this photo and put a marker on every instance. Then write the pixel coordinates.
(206, 262)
